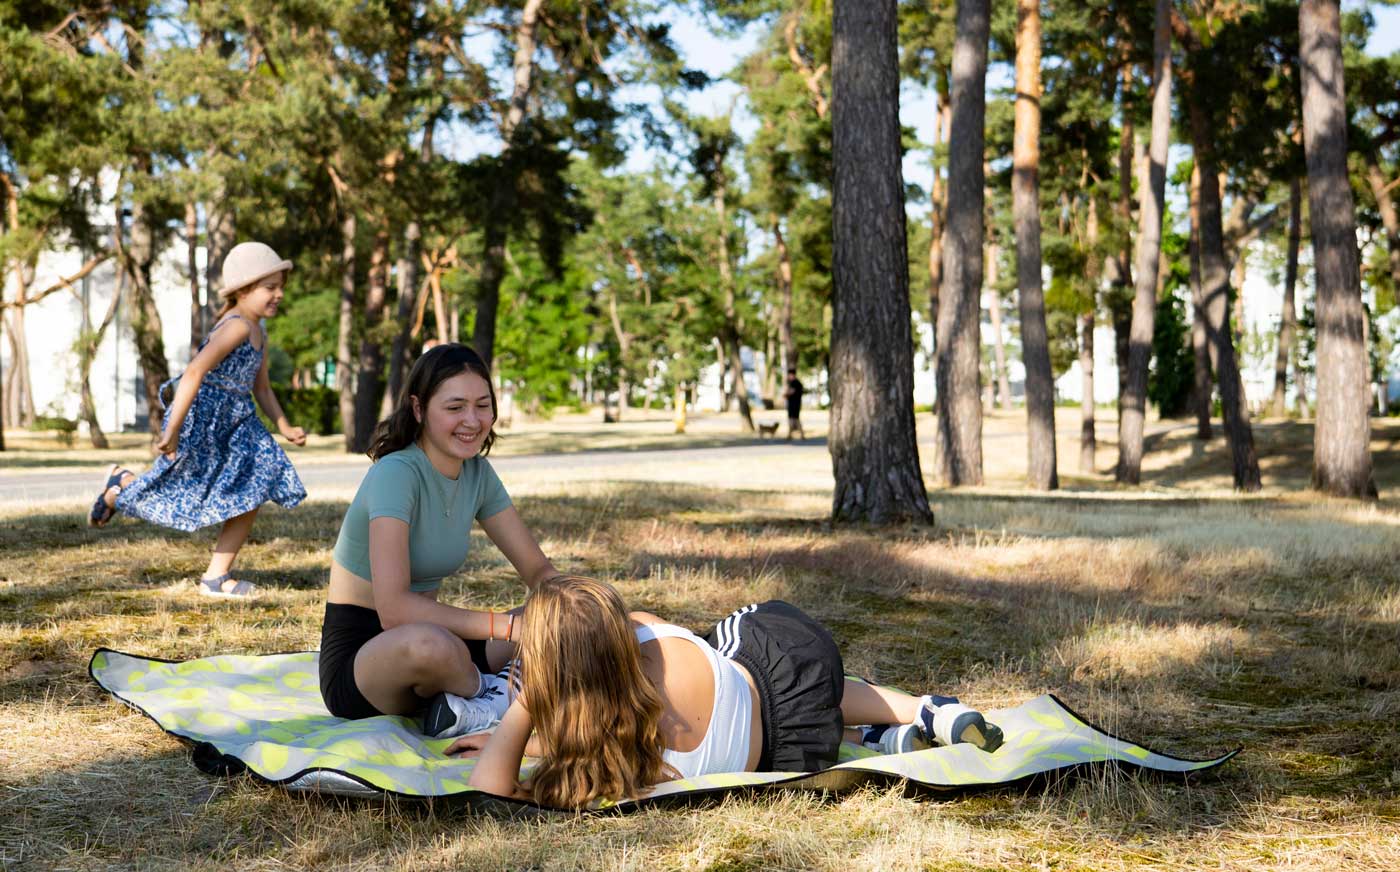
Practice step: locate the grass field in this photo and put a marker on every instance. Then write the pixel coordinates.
(1181, 616)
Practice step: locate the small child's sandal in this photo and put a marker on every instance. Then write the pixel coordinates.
(101, 512)
(215, 587)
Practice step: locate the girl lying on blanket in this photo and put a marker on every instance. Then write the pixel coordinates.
(387, 645)
(622, 701)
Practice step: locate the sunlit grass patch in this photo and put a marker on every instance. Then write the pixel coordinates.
(1194, 625)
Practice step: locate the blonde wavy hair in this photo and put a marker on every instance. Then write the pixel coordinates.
(593, 708)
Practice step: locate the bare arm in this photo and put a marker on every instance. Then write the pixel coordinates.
(518, 544)
(262, 392)
(498, 768)
(396, 604)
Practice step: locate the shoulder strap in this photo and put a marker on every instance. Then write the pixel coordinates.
(652, 632)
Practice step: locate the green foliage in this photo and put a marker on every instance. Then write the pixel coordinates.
(1170, 378)
(316, 408)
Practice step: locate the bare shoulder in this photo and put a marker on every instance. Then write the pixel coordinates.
(645, 619)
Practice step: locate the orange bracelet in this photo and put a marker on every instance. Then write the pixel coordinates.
(510, 629)
(491, 633)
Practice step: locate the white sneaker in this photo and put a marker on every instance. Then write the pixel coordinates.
(893, 738)
(449, 716)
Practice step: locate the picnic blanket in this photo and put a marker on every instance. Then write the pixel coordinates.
(263, 714)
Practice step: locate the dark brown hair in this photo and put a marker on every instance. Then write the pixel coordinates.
(436, 365)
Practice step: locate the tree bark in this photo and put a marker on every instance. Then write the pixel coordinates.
(1288, 320)
(624, 347)
(875, 459)
(785, 339)
(344, 361)
(1215, 290)
(370, 370)
(1134, 400)
(197, 325)
(1003, 381)
(1342, 437)
(220, 232)
(488, 295)
(145, 317)
(1200, 347)
(1025, 192)
(1088, 439)
(959, 444)
(938, 204)
(729, 336)
(87, 354)
(1386, 206)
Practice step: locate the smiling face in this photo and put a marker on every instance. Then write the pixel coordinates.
(263, 297)
(456, 419)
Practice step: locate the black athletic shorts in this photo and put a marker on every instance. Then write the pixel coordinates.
(800, 677)
(344, 632)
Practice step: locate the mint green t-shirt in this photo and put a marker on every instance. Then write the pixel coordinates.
(406, 485)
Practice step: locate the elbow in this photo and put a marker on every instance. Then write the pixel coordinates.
(392, 614)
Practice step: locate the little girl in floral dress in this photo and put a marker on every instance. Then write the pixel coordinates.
(218, 463)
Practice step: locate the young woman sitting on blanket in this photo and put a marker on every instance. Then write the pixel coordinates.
(619, 701)
(387, 645)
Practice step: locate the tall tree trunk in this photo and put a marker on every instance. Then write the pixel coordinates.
(344, 359)
(406, 278)
(938, 205)
(959, 344)
(1380, 189)
(1134, 400)
(145, 317)
(21, 411)
(86, 355)
(1120, 270)
(197, 325)
(370, 369)
(785, 339)
(874, 458)
(220, 231)
(1200, 346)
(1215, 290)
(1342, 440)
(503, 190)
(1041, 469)
(1288, 320)
(624, 346)
(1003, 381)
(729, 330)
(1088, 439)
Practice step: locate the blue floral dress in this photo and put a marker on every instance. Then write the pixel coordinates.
(226, 464)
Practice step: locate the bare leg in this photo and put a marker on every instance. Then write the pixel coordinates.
(863, 703)
(230, 542)
(403, 667)
(109, 496)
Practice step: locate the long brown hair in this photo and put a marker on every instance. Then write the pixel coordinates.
(594, 709)
(436, 365)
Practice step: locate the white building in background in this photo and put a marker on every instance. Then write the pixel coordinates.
(53, 326)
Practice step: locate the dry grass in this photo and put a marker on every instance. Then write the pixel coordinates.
(1194, 622)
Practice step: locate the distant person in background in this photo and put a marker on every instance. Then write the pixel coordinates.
(217, 462)
(793, 394)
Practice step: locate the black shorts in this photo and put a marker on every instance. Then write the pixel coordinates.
(800, 677)
(344, 632)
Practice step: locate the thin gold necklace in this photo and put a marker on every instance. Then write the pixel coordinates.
(442, 488)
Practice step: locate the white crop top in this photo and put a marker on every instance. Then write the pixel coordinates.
(725, 747)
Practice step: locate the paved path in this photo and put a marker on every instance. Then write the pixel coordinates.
(763, 464)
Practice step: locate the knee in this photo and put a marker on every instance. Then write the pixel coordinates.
(427, 649)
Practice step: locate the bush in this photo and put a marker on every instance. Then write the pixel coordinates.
(64, 427)
(315, 409)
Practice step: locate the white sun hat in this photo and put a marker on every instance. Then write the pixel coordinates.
(248, 262)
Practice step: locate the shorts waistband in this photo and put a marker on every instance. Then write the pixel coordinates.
(347, 615)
